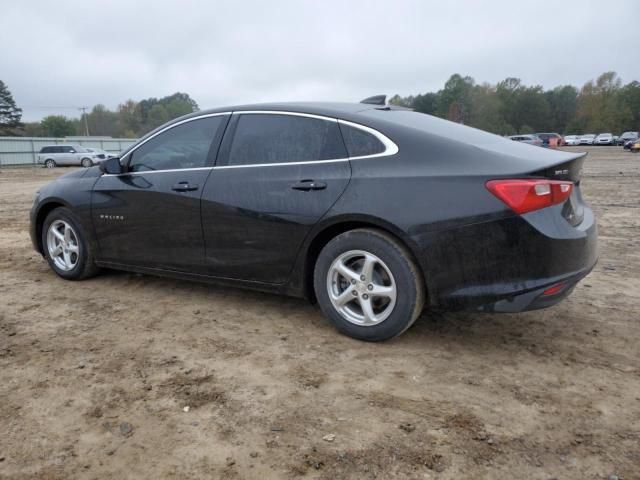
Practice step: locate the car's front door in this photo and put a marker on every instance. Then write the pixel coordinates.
(150, 215)
(66, 156)
(277, 174)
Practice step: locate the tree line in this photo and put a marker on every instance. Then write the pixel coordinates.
(130, 120)
(510, 107)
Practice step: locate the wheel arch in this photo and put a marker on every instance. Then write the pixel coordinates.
(324, 233)
(43, 211)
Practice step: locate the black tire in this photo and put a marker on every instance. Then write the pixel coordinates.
(410, 296)
(85, 266)
(50, 163)
(86, 163)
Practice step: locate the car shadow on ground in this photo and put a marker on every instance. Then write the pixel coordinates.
(468, 328)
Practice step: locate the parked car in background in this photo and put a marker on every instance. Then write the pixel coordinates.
(287, 198)
(627, 136)
(587, 139)
(571, 140)
(531, 139)
(604, 139)
(615, 139)
(628, 143)
(635, 146)
(64, 155)
(101, 154)
(552, 140)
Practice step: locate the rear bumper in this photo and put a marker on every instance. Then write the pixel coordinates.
(505, 265)
(536, 299)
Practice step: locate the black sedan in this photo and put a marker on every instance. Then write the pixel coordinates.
(370, 210)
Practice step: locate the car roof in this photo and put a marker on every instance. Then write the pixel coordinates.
(317, 108)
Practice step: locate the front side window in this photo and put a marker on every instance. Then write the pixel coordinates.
(183, 146)
(278, 138)
(360, 143)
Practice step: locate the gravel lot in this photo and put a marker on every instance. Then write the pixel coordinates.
(96, 376)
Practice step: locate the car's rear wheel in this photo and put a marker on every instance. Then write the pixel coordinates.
(86, 162)
(65, 246)
(368, 285)
(50, 163)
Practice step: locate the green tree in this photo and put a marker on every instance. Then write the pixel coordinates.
(486, 110)
(129, 120)
(629, 98)
(157, 116)
(454, 99)
(58, 126)
(601, 106)
(10, 114)
(427, 103)
(562, 102)
(102, 121)
(33, 129)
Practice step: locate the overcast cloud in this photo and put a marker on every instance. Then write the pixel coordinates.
(71, 53)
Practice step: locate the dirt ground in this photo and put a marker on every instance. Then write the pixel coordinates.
(96, 376)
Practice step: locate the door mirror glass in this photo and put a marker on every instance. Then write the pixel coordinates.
(111, 166)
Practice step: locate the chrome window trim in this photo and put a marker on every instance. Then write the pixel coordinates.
(281, 164)
(390, 146)
(145, 172)
(284, 112)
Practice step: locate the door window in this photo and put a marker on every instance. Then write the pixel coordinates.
(183, 146)
(277, 138)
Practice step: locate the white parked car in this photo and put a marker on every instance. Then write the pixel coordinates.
(58, 155)
(587, 139)
(101, 154)
(604, 139)
(572, 140)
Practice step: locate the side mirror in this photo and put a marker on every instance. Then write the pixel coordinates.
(111, 166)
(72, 151)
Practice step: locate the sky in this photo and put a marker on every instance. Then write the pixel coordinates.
(56, 56)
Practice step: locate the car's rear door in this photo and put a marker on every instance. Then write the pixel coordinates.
(277, 174)
(150, 216)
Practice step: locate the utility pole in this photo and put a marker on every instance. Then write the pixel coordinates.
(86, 123)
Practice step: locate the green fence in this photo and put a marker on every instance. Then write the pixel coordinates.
(24, 150)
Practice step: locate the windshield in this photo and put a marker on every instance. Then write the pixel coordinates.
(80, 149)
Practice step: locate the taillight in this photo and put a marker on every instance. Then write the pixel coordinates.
(524, 196)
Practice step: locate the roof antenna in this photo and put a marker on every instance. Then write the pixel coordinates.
(375, 100)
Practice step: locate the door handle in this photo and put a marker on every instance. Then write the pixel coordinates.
(307, 185)
(184, 187)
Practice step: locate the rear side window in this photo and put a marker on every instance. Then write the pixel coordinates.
(183, 146)
(360, 143)
(272, 138)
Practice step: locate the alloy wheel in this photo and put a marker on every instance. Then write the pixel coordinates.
(361, 288)
(62, 245)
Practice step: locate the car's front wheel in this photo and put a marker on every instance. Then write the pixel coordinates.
(65, 246)
(86, 162)
(368, 285)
